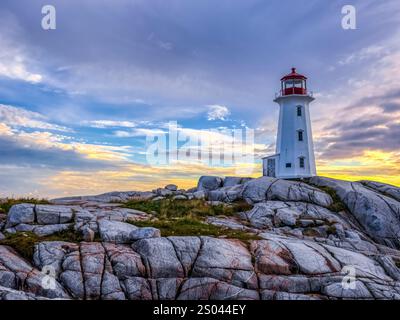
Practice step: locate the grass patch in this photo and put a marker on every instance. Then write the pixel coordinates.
(24, 242)
(297, 179)
(310, 232)
(170, 208)
(337, 204)
(186, 217)
(7, 203)
(193, 227)
(143, 205)
(331, 230)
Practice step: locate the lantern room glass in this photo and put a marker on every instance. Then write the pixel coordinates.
(294, 86)
(296, 83)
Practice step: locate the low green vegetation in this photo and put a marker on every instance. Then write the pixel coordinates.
(24, 242)
(169, 208)
(7, 203)
(186, 217)
(337, 204)
(172, 217)
(311, 232)
(185, 226)
(331, 230)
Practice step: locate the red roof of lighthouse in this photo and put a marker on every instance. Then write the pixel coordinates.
(293, 75)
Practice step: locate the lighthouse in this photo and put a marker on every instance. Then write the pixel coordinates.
(294, 157)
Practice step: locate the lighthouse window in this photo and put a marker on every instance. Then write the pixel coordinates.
(299, 111)
(288, 165)
(301, 162)
(298, 83)
(288, 84)
(300, 135)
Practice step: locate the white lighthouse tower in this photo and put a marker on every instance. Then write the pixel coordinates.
(294, 156)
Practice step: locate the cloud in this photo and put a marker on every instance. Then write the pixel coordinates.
(139, 132)
(213, 146)
(5, 130)
(387, 99)
(167, 57)
(354, 137)
(390, 107)
(217, 112)
(367, 116)
(370, 52)
(14, 62)
(44, 148)
(132, 176)
(345, 139)
(61, 168)
(178, 52)
(380, 166)
(170, 61)
(34, 156)
(23, 181)
(110, 123)
(162, 44)
(15, 68)
(20, 117)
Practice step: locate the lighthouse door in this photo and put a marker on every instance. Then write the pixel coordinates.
(271, 167)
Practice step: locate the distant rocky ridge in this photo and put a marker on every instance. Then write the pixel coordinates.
(310, 233)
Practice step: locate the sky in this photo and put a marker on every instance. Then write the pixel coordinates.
(80, 105)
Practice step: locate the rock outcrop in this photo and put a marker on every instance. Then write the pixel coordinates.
(209, 183)
(377, 212)
(267, 188)
(303, 247)
(91, 217)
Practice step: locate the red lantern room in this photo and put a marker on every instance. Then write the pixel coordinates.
(293, 83)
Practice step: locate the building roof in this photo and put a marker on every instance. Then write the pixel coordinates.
(294, 75)
(271, 156)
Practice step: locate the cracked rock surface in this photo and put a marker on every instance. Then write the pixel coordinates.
(304, 249)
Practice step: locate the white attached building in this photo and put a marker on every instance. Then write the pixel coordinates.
(294, 156)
